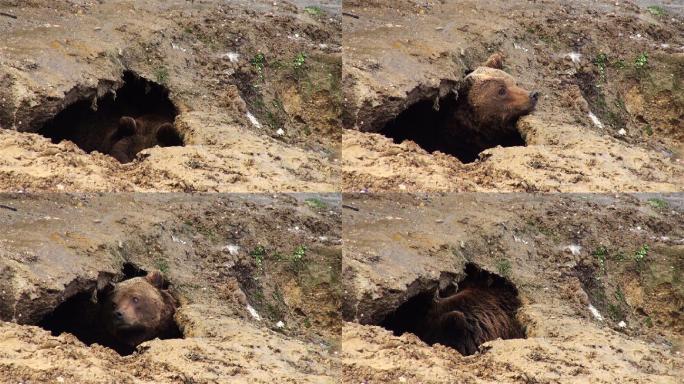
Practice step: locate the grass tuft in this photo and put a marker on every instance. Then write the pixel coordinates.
(161, 74)
(504, 267)
(655, 10)
(657, 203)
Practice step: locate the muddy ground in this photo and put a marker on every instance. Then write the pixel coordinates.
(281, 256)
(256, 85)
(620, 61)
(621, 254)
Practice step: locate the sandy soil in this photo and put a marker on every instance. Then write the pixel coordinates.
(582, 55)
(220, 253)
(562, 252)
(219, 60)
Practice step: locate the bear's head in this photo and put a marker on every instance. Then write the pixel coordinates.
(138, 309)
(134, 135)
(494, 96)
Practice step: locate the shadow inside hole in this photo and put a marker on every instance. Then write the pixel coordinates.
(487, 301)
(131, 270)
(83, 315)
(433, 127)
(96, 127)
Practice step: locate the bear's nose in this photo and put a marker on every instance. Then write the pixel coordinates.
(118, 315)
(535, 96)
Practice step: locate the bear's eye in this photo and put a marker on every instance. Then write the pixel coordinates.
(502, 91)
(136, 300)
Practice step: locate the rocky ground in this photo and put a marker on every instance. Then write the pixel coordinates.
(221, 253)
(620, 61)
(256, 84)
(620, 254)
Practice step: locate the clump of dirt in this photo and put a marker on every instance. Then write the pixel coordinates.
(488, 303)
(87, 326)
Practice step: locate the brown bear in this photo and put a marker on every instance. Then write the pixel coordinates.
(482, 310)
(137, 310)
(490, 102)
(135, 134)
(494, 99)
(477, 113)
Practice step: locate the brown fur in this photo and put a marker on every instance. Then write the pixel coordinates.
(138, 309)
(489, 104)
(134, 135)
(476, 314)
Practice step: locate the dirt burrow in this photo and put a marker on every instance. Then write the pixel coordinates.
(400, 54)
(257, 278)
(621, 255)
(256, 86)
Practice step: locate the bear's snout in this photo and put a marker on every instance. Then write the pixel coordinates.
(123, 318)
(534, 96)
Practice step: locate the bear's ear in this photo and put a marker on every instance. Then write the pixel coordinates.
(168, 136)
(101, 293)
(155, 278)
(127, 126)
(107, 287)
(495, 61)
(448, 290)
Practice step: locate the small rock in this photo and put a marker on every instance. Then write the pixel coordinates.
(595, 312)
(233, 57)
(253, 312)
(253, 120)
(574, 249)
(595, 120)
(232, 249)
(575, 57)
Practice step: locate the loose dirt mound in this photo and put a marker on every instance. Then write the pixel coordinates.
(257, 278)
(609, 117)
(600, 280)
(256, 86)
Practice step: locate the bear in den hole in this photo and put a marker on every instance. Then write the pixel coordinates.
(132, 135)
(137, 310)
(482, 309)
